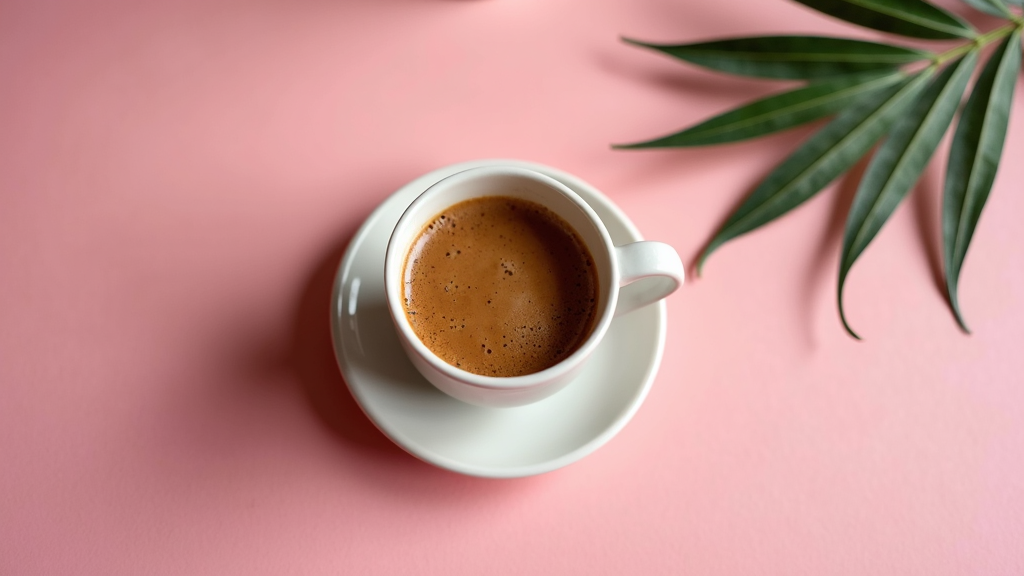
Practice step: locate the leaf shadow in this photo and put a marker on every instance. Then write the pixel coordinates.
(661, 73)
(693, 262)
(826, 256)
(925, 206)
(788, 140)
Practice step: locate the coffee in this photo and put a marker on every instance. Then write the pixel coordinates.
(500, 286)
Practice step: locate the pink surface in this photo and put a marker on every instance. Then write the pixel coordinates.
(177, 184)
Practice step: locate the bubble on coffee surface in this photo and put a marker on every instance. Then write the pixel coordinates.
(500, 286)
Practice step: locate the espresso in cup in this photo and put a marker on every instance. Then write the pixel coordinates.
(537, 256)
(500, 286)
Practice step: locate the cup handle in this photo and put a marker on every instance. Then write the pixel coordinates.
(649, 271)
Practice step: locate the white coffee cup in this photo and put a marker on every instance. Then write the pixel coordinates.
(656, 264)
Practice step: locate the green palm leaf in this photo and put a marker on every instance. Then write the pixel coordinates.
(898, 164)
(912, 18)
(867, 85)
(974, 158)
(826, 155)
(778, 112)
(791, 57)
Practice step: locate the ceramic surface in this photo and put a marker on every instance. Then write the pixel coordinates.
(490, 442)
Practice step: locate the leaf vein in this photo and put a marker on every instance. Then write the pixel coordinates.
(904, 158)
(862, 126)
(910, 17)
(851, 91)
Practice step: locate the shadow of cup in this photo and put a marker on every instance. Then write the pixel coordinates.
(312, 359)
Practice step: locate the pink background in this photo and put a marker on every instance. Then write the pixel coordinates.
(178, 182)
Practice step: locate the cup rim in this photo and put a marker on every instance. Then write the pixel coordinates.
(395, 259)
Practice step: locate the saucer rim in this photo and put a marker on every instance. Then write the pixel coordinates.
(659, 323)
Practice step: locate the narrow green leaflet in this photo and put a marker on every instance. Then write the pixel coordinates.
(791, 57)
(1016, 2)
(912, 18)
(974, 158)
(993, 7)
(898, 164)
(819, 160)
(778, 112)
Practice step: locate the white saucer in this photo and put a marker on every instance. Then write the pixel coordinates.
(489, 442)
